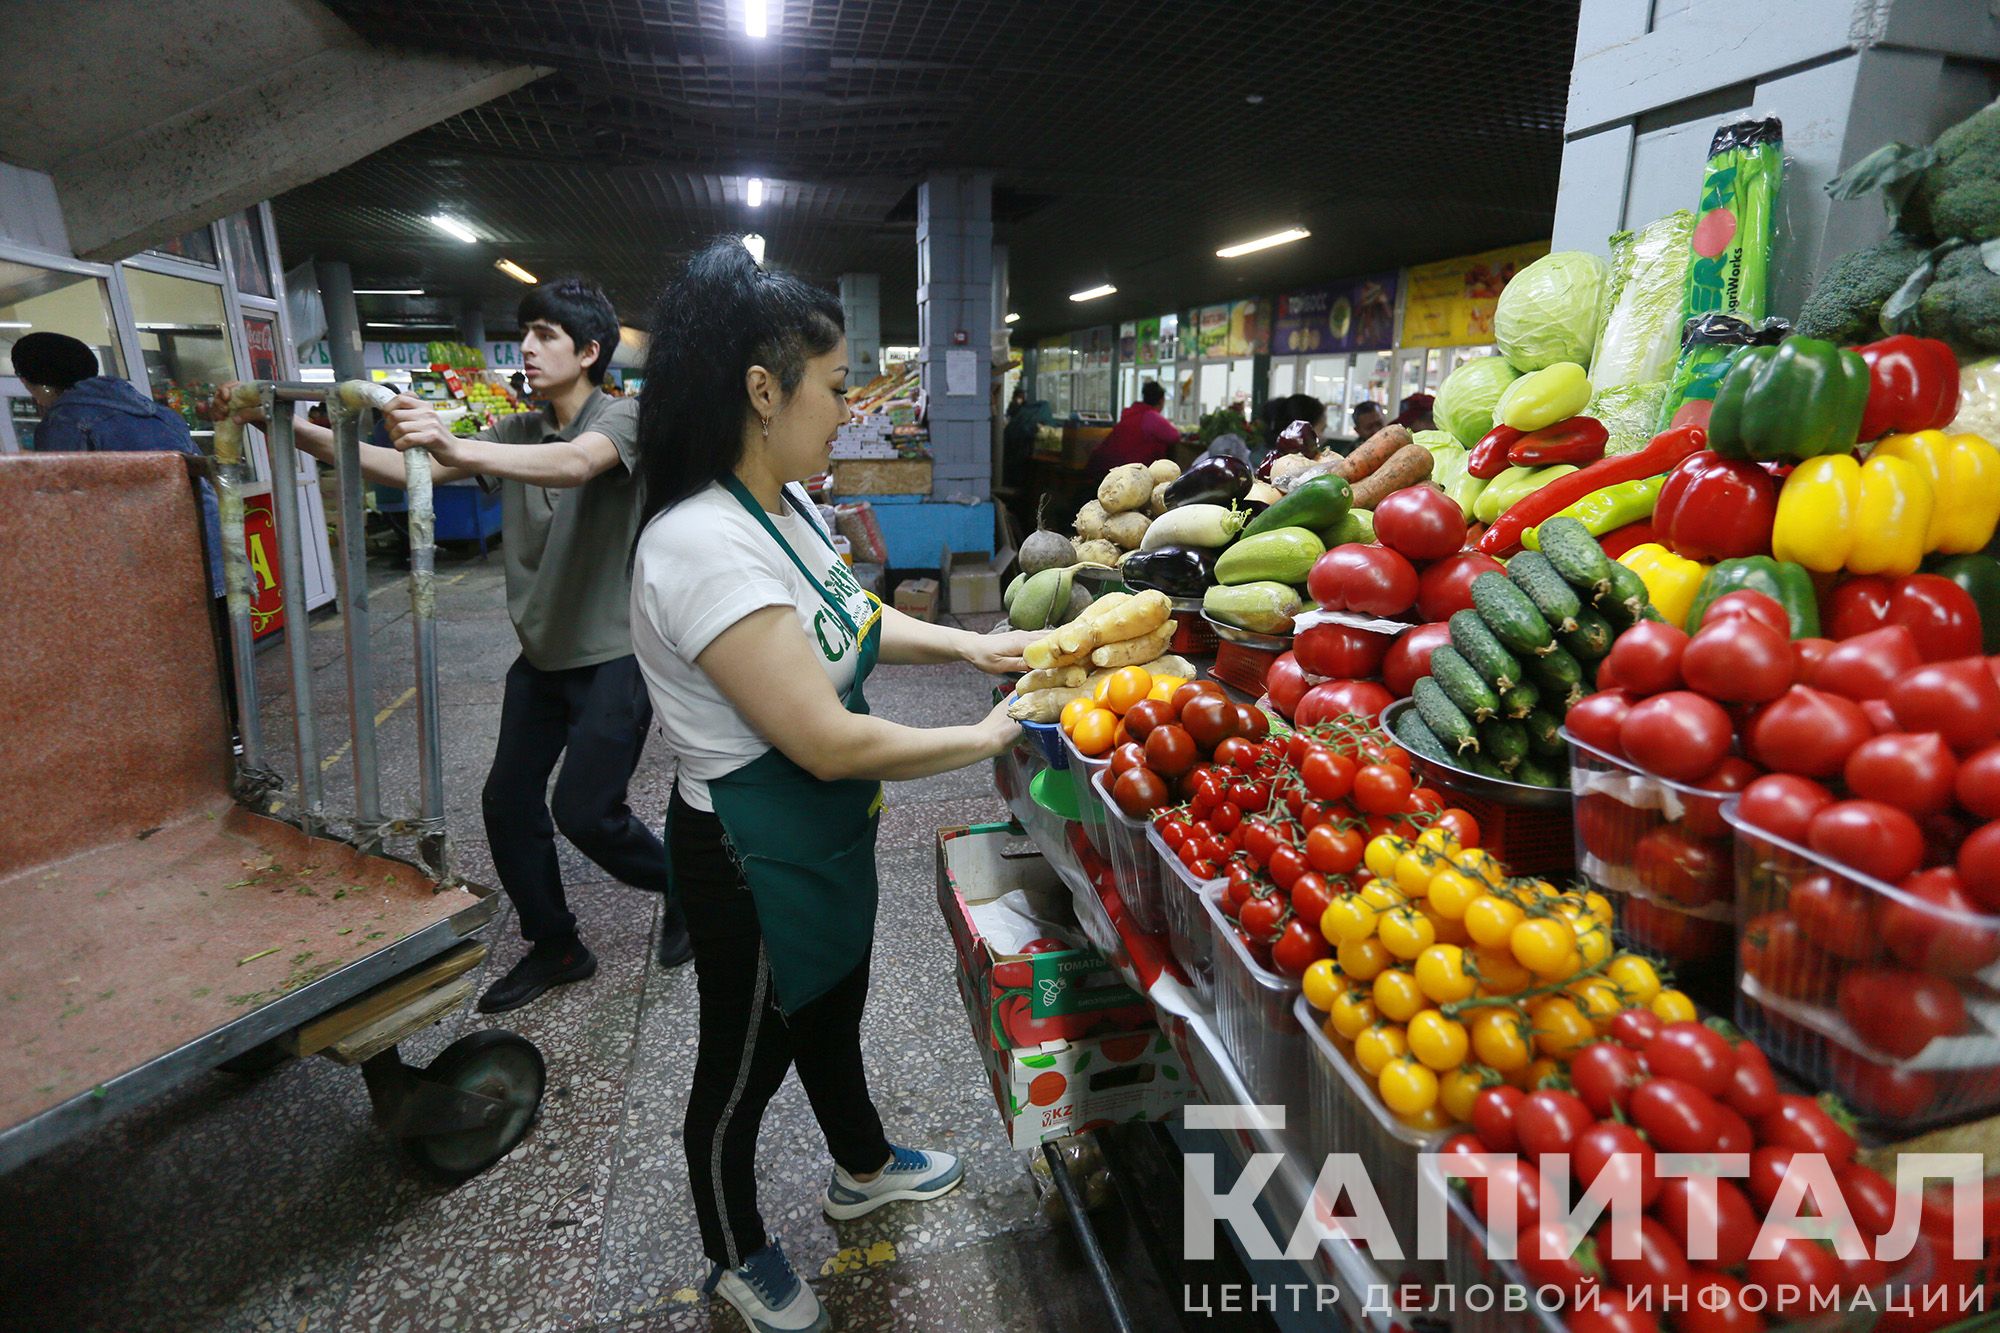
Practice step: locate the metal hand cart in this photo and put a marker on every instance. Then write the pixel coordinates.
(158, 919)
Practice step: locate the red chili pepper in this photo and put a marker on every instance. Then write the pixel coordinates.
(1664, 451)
(1488, 458)
(1912, 386)
(1579, 440)
(1620, 540)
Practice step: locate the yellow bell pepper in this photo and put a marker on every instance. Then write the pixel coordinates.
(1866, 518)
(1671, 580)
(1964, 473)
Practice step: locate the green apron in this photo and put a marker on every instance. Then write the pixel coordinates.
(806, 847)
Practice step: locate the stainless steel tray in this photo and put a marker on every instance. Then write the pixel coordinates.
(1476, 784)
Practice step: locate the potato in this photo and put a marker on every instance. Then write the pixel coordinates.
(1127, 529)
(1098, 552)
(1158, 504)
(1163, 470)
(1287, 465)
(1090, 521)
(1125, 488)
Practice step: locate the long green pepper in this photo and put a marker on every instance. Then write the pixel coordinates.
(1607, 510)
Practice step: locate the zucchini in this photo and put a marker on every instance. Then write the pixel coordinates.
(1545, 735)
(1575, 554)
(1498, 667)
(1511, 616)
(1504, 742)
(1451, 727)
(1590, 641)
(1625, 603)
(1531, 572)
(1417, 738)
(1536, 774)
(1462, 685)
(1519, 701)
(1559, 673)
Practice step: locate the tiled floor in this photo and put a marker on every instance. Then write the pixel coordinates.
(273, 1202)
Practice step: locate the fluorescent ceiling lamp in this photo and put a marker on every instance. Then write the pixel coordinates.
(1095, 292)
(388, 291)
(515, 271)
(15, 324)
(414, 324)
(753, 192)
(1013, 319)
(453, 227)
(756, 18)
(1285, 237)
(755, 245)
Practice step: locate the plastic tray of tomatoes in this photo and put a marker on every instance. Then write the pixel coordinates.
(1090, 806)
(1344, 1114)
(1189, 936)
(1254, 1011)
(1664, 848)
(1140, 876)
(1867, 989)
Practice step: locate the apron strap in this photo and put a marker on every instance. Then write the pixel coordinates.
(749, 502)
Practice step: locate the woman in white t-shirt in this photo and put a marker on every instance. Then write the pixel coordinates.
(755, 641)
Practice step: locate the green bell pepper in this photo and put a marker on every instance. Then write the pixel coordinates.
(1516, 483)
(1790, 585)
(1979, 575)
(1607, 510)
(1319, 504)
(1798, 400)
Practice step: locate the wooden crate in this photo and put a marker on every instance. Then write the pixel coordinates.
(881, 476)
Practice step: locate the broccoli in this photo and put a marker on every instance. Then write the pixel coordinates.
(1962, 305)
(1846, 306)
(1959, 196)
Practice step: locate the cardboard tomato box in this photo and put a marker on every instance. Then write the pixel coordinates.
(1030, 985)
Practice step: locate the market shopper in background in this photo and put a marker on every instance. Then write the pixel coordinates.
(1415, 413)
(1368, 418)
(1143, 435)
(756, 641)
(569, 513)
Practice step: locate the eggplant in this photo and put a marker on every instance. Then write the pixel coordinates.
(1297, 438)
(1216, 479)
(1177, 571)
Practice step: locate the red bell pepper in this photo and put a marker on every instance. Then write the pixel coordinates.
(1714, 508)
(1661, 454)
(1488, 458)
(1941, 616)
(1912, 386)
(1577, 441)
(1620, 540)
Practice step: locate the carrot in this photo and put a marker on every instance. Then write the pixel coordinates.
(1372, 453)
(1408, 466)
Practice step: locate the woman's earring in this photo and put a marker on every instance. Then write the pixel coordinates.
(766, 423)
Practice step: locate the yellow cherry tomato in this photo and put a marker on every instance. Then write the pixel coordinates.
(1362, 959)
(1498, 972)
(1397, 997)
(1598, 998)
(1672, 1006)
(1433, 1119)
(1543, 945)
(1382, 853)
(1637, 980)
(1164, 687)
(1598, 905)
(1414, 870)
(1441, 974)
(1458, 1090)
(1480, 866)
(1491, 921)
(1440, 839)
(1375, 1048)
(1321, 983)
(1593, 942)
(1095, 731)
(1448, 932)
(1073, 712)
(1451, 892)
(1561, 1027)
(1437, 1041)
(1500, 1039)
(1381, 895)
(1127, 686)
(1540, 1071)
(1407, 1087)
(1347, 920)
(1406, 932)
(1352, 1012)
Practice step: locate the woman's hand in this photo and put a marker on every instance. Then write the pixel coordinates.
(1000, 654)
(998, 730)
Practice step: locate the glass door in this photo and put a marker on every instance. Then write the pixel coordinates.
(34, 299)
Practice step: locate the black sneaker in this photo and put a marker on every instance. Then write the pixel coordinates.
(550, 963)
(675, 947)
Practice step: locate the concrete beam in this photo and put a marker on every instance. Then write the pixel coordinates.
(263, 137)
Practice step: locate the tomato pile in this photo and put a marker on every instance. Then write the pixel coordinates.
(1097, 723)
(1178, 731)
(1675, 1087)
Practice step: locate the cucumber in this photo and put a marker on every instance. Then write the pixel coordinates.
(1462, 685)
(1504, 742)
(1484, 767)
(1531, 572)
(1545, 735)
(1625, 603)
(1451, 727)
(1575, 554)
(1511, 616)
(1498, 667)
(1417, 737)
(1537, 774)
(1590, 641)
(1520, 701)
(1560, 674)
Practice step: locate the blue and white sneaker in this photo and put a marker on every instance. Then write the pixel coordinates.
(769, 1295)
(909, 1175)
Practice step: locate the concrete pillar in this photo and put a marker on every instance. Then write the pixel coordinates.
(955, 319)
(472, 325)
(998, 339)
(861, 307)
(343, 323)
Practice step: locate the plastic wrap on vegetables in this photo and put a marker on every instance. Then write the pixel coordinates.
(1729, 267)
(1641, 339)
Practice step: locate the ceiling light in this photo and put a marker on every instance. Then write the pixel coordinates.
(411, 324)
(453, 227)
(756, 18)
(753, 192)
(388, 291)
(755, 245)
(1013, 319)
(1095, 292)
(515, 271)
(1285, 237)
(15, 324)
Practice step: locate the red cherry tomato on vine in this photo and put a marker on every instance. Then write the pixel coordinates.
(1381, 789)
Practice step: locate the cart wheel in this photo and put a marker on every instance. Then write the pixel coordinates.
(258, 1059)
(494, 1064)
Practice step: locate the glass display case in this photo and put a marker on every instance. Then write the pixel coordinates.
(184, 338)
(44, 300)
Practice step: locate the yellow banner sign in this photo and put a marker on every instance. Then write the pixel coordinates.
(1450, 303)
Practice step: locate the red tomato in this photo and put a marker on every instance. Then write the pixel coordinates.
(1339, 651)
(1674, 934)
(1899, 1012)
(1716, 1306)
(1494, 1113)
(1189, 692)
(1210, 720)
(1718, 1231)
(1285, 683)
(1462, 825)
(1252, 723)
(1370, 579)
(1332, 850)
(1775, 950)
(1836, 914)
(1693, 1053)
(1260, 915)
(1447, 585)
(1748, 604)
(1935, 925)
(1959, 700)
(1515, 1177)
(1328, 775)
(1604, 1074)
(1783, 805)
(1420, 522)
(1139, 792)
(1801, 1270)
(1916, 773)
(1616, 1148)
(1613, 1314)
(1659, 1267)
(1410, 657)
(1739, 660)
(1549, 1121)
(1595, 720)
(1807, 654)
(1862, 667)
(1647, 658)
(1978, 783)
(1381, 789)
(1237, 753)
(1130, 755)
(1676, 1116)
(1299, 947)
(1879, 1090)
(1549, 1259)
(1690, 871)
(1633, 1028)
(1873, 838)
(1808, 732)
(1334, 699)
(1803, 1124)
(1978, 864)
(1170, 751)
(1941, 615)
(1703, 816)
(1678, 735)
(1311, 896)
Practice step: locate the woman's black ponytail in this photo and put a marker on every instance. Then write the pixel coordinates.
(718, 317)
